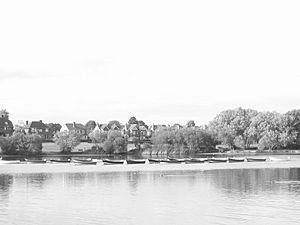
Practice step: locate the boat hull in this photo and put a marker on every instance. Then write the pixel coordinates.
(35, 161)
(10, 161)
(59, 161)
(256, 159)
(130, 161)
(233, 160)
(112, 162)
(153, 161)
(192, 161)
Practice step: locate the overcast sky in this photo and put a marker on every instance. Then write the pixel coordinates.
(161, 61)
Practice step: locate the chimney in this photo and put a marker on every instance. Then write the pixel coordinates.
(26, 122)
(41, 121)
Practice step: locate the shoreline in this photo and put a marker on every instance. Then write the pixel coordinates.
(100, 168)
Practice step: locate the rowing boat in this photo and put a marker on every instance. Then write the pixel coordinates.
(196, 160)
(231, 160)
(112, 161)
(37, 161)
(256, 159)
(217, 160)
(135, 161)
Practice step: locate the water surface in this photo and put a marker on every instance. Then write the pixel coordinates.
(234, 196)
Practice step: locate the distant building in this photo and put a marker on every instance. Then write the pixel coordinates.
(103, 127)
(137, 131)
(78, 128)
(38, 127)
(6, 127)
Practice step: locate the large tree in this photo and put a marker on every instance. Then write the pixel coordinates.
(66, 140)
(132, 120)
(231, 127)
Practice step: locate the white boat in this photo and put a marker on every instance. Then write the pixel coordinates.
(274, 159)
(9, 161)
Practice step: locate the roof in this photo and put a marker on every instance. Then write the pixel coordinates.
(136, 127)
(4, 122)
(37, 125)
(75, 126)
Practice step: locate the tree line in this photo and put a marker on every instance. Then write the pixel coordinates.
(234, 128)
(245, 128)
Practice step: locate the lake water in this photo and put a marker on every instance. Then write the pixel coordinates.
(232, 196)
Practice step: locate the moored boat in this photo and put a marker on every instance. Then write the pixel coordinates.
(231, 160)
(273, 159)
(37, 161)
(86, 162)
(196, 160)
(217, 160)
(112, 161)
(173, 160)
(135, 161)
(60, 161)
(2, 161)
(152, 161)
(256, 159)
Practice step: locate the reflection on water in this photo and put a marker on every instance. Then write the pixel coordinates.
(261, 196)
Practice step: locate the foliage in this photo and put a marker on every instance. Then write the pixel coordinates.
(4, 113)
(22, 144)
(186, 140)
(114, 122)
(66, 140)
(231, 127)
(190, 123)
(132, 120)
(54, 127)
(98, 137)
(90, 125)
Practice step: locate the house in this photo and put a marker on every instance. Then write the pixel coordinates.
(38, 127)
(137, 131)
(6, 127)
(104, 127)
(78, 128)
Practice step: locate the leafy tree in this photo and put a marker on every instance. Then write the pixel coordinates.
(108, 147)
(132, 120)
(66, 140)
(114, 122)
(98, 137)
(190, 123)
(54, 127)
(35, 144)
(90, 125)
(231, 127)
(7, 146)
(142, 123)
(4, 113)
(23, 144)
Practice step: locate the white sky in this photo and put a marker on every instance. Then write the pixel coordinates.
(161, 61)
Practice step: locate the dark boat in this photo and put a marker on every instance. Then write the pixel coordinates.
(152, 161)
(35, 161)
(194, 160)
(135, 161)
(60, 161)
(231, 160)
(217, 160)
(112, 162)
(171, 160)
(84, 162)
(256, 159)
